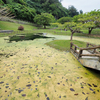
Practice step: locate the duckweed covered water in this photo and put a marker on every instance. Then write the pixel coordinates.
(37, 72)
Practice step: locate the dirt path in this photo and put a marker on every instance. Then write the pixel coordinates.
(34, 71)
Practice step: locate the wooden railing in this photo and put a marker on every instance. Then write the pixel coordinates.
(79, 51)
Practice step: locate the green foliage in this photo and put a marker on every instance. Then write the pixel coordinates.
(41, 6)
(54, 24)
(91, 20)
(72, 11)
(44, 19)
(73, 27)
(23, 12)
(75, 18)
(9, 1)
(64, 19)
(81, 12)
(1, 2)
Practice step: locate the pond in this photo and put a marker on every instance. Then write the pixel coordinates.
(27, 37)
(36, 71)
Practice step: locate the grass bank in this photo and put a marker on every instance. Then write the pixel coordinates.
(64, 45)
(4, 25)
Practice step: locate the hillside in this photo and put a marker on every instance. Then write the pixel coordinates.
(28, 9)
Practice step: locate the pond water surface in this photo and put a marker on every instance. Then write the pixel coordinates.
(30, 70)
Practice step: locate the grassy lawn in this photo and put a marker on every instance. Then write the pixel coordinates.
(64, 45)
(52, 30)
(14, 26)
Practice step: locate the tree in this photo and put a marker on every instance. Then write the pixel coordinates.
(72, 11)
(64, 19)
(90, 20)
(22, 12)
(81, 12)
(44, 19)
(1, 2)
(73, 27)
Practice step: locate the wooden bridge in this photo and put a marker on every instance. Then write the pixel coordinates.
(89, 56)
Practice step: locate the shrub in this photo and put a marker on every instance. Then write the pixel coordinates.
(21, 28)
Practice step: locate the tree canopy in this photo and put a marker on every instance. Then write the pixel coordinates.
(43, 19)
(73, 27)
(72, 11)
(64, 19)
(90, 20)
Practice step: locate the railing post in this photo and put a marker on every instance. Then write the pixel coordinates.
(87, 45)
(99, 58)
(80, 52)
(71, 44)
(94, 51)
(75, 48)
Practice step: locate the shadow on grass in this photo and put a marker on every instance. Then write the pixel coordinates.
(27, 37)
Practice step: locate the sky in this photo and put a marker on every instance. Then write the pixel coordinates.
(84, 5)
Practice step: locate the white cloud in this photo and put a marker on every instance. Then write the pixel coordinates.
(85, 5)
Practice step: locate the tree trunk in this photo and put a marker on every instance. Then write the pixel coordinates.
(44, 26)
(90, 30)
(71, 36)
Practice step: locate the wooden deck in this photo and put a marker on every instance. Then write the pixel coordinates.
(88, 57)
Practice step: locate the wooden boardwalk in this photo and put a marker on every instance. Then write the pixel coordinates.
(88, 57)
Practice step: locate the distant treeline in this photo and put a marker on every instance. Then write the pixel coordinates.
(28, 9)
